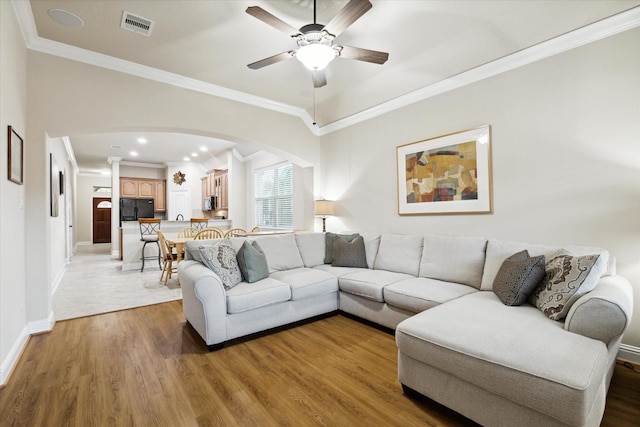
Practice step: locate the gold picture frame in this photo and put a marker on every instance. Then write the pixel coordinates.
(446, 174)
(15, 155)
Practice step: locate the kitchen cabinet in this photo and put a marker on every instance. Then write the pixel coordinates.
(160, 195)
(221, 190)
(216, 184)
(128, 187)
(146, 189)
(143, 188)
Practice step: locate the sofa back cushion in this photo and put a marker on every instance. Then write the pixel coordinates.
(311, 247)
(399, 253)
(499, 250)
(281, 251)
(453, 259)
(371, 245)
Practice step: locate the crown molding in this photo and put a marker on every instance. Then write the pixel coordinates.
(142, 165)
(599, 30)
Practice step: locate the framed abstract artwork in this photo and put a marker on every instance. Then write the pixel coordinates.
(446, 174)
(15, 153)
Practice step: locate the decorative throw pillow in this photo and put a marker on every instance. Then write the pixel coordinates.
(329, 238)
(252, 262)
(221, 259)
(349, 253)
(567, 278)
(518, 276)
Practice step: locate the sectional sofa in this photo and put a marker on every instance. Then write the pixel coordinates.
(458, 342)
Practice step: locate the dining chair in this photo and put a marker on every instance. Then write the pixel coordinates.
(236, 232)
(200, 223)
(188, 232)
(168, 257)
(209, 233)
(149, 228)
(255, 229)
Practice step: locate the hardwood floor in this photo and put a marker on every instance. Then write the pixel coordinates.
(145, 366)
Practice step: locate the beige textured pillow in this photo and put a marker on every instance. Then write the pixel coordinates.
(567, 278)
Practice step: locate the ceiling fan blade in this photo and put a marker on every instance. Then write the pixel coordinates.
(271, 60)
(347, 16)
(360, 54)
(269, 19)
(319, 78)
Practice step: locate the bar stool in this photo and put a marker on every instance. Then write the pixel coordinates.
(149, 228)
(200, 223)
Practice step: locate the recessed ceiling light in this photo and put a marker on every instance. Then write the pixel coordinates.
(186, 159)
(66, 18)
(105, 173)
(194, 154)
(203, 148)
(133, 153)
(142, 140)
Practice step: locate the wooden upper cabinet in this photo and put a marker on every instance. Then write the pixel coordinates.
(222, 191)
(146, 189)
(141, 188)
(160, 195)
(128, 187)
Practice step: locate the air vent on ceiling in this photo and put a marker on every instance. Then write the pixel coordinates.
(136, 24)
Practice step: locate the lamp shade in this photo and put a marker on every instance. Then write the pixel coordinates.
(324, 207)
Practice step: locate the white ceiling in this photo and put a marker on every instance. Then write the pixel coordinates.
(213, 41)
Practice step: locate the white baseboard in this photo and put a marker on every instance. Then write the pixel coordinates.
(32, 328)
(14, 355)
(629, 353)
(58, 279)
(84, 243)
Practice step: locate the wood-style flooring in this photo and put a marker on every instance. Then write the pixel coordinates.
(146, 367)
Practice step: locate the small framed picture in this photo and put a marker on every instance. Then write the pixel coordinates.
(16, 157)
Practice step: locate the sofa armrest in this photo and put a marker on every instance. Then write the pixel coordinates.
(605, 312)
(204, 301)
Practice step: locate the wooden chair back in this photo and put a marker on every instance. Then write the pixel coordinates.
(200, 223)
(236, 232)
(188, 232)
(209, 233)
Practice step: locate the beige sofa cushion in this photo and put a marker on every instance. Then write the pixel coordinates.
(370, 283)
(513, 352)
(307, 282)
(311, 247)
(499, 250)
(281, 251)
(248, 296)
(400, 253)
(420, 293)
(453, 259)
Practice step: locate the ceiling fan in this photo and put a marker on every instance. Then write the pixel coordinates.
(315, 41)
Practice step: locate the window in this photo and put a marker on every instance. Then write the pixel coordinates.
(274, 196)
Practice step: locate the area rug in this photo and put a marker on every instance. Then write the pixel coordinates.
(94, 283)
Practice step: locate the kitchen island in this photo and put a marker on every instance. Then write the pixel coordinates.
(131, 246)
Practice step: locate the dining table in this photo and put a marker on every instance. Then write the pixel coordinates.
(179, 244)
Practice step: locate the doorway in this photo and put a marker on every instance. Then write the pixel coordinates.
(101, 220)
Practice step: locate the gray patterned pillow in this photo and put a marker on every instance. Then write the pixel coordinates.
(518, 277)
(221, 259)
(567, 278)
(349, 253)
(328, 248)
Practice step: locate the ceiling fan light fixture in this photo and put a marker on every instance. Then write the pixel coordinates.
(315, 56)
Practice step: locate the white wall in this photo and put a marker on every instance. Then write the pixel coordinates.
(14, 326)
(129, 171)
(58, 224)
(565, 151)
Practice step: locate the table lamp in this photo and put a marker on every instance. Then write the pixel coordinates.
(324, 208)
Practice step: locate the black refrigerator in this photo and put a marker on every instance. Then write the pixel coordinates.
(132, 209)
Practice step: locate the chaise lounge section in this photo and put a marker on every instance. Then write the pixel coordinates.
(458, 342)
